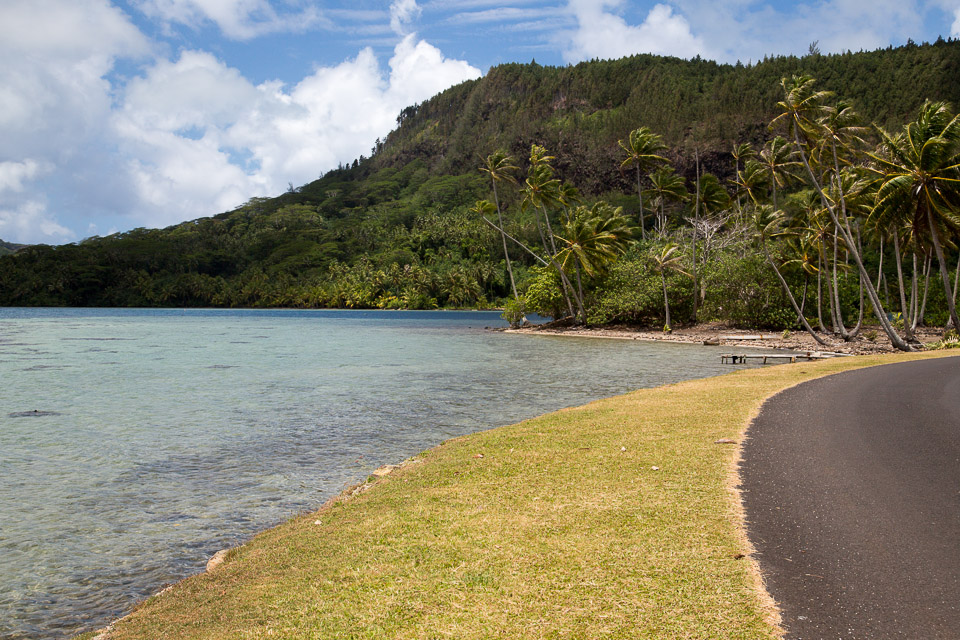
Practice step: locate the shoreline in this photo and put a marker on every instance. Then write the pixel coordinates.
(350, 512)
(715, 334)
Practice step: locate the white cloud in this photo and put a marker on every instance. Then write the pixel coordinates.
(29, 223)
(14, 174)
(237, 19)
(186, 137)
(402, 13)
(201, 138)
(418, 71)
(748, 29)
(55, 102)
(955, 27)
(601, 34)
(503, 14)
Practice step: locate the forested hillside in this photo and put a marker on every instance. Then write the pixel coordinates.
(9, 247)
(405, 228)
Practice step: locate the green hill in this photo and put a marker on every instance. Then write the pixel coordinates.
(9, 247)
(395, 230)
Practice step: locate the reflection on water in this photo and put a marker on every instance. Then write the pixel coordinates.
(125, 466)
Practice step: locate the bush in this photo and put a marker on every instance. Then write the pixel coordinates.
(632, 294)
(544, 296)
(514, 311)
(744, 292)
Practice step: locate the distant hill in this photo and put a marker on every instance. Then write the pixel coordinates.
(394, 230)
(9, 247)
(579, 112)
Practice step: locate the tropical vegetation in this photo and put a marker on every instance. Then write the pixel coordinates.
(645, 191)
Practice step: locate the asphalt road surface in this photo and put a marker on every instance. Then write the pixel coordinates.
(851, 485)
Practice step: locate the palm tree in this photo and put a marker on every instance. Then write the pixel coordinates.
(776, 158)
(593, 239)
(769, 222)
(667, 186)
(642, 147)
(713, 197)
(800, 105)
(541, 189)
(921, 180)
(751, 180)
(665, 260)
(568, 195)
(498, 166)
(743, 151)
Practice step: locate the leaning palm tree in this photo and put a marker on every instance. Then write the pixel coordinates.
(667, 259)
(541, 190)
(498, 166)
(642, 147)
(592, 240)
(769, 222)
(921, 180)
(800, 107)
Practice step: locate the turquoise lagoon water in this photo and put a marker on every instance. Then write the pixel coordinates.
(134, 444)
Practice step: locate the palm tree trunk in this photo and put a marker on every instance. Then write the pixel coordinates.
(956, 279)
(736, 177)
(666, 301)
(895, 339)
(580, 292)
(926, 288)
(841, 329)
(564, 281)
(506, 254)
(856, 329)
(880, 266)
(696, 218)
(904, 309)
(551, 262)
(914, 302)
(803, 298)
(820, 290)
(943, 270)
(786, 289)
(553, 243)
(643, 229)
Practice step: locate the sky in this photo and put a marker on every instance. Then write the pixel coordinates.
(145, 113)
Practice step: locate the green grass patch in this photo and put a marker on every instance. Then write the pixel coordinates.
(618, 519)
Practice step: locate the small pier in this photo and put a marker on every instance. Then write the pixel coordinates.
(777, 358)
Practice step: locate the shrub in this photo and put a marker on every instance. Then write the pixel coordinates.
(544, 296)
(514, 311)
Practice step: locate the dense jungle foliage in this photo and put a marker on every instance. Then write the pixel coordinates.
(625, 191)
(9, 247)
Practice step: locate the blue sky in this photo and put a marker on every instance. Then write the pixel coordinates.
(122, 114)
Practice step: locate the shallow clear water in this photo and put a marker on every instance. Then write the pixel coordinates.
(134, 444)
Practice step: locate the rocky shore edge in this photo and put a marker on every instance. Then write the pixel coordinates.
(869, 342)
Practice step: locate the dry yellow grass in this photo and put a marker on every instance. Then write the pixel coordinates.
(617, 519)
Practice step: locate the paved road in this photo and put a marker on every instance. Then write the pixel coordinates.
(851, 485)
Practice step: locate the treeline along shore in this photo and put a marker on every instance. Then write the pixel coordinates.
(812, 193)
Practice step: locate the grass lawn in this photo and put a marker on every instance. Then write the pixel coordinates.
(618, 519)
